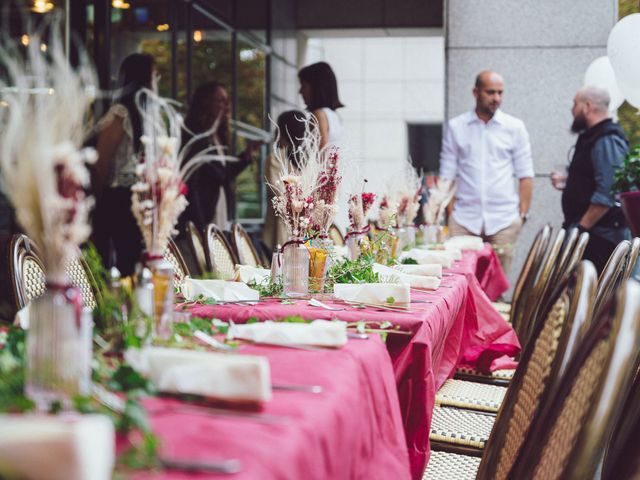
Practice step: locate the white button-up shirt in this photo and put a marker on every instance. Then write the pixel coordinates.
(483, 160)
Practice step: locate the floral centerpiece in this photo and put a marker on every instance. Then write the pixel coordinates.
(44, 174)
(359, 206)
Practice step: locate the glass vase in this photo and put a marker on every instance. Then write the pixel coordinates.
(295, 269)
(162, 277)
(319, 259)
(59, 346)
(353, 245)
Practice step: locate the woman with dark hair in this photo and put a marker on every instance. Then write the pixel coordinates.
(115, 231)
(319, 90)
(210, 187)
(291, 127)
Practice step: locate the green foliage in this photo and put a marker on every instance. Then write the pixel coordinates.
(408, 261)
(267, 289)
(627, 177)
(390, 300)
(354, 271)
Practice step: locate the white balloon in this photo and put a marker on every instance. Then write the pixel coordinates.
(600, 74)
(623, 47)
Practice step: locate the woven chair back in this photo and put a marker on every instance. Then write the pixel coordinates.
(570, 240)
(221, 255)
(197, 247)
(632, 259)
(26, 270)
(174, 257)
(336, 235)
(538, 296)
(528, 272)
(245, 250)
(81, 277)
(542, 363)
(588, 402)
(611, 276)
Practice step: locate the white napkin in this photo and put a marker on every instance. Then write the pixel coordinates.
(415, 281)
(57, 447)
(465, 242)
(440, 257)
(220, 290)
(247, 273)
(216, 375)
(376, 293)
(428, 270)
(22, 317)
(319, 332)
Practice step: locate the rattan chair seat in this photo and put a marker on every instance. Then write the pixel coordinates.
(461, 427)
(505, 374)
(447, 466)
(471, 395)
(502, 307)
(79, 277)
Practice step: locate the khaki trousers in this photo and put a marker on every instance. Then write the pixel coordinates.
(503, 242)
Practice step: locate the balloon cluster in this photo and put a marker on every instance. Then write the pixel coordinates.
(619, 71)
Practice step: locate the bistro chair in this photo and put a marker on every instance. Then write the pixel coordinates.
(622, 458)
(570, 241)
(611, 276)
(222, 258)
(632, 259)
(247, 254)
(197, 247)
(336, 235)
(174, 257)
(26, 270)
(589, 402)
(508, 311)
(498, 440)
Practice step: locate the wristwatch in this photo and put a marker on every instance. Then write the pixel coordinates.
(525, 216)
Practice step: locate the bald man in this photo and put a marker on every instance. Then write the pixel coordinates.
(484, 151)
(587, 201)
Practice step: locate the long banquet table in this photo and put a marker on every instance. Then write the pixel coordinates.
(458, 317)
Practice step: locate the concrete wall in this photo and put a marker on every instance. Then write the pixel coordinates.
(542, 47)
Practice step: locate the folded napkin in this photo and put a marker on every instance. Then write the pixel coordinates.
(465, 242)
(247, 274)
(220, 290)
(77, 447)
(322, 333)
(440, 257)
(415, 281)
(376, 293)
(428, 270)
(244, 378)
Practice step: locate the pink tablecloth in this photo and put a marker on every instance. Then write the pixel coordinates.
(458, 318)
(352, 429)
(489, 272)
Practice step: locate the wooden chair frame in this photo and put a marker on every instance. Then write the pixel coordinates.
(22, 249)
(182, 270)
(336, 235)
(611, 276)
(632, 259)
(198, 249)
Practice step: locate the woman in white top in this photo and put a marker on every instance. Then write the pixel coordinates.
(319, 90)
(115, 231)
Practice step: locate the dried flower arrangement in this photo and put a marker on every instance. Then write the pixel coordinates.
(359, 206)
(439, 197)
(409, 189)
(43, 106)
(325, 197)
(158, 198)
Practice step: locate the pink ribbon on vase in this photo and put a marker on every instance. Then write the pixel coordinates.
(365, 230)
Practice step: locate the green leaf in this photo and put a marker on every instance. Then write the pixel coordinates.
(391, 300)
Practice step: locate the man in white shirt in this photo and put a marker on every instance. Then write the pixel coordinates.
(482, 151)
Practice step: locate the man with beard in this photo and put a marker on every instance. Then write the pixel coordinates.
(587, 201)
(482, 151)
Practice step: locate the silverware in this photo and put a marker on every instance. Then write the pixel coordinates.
(358, 336)
(212, 342)
(297, 388)
(317, 303)
(212, 466)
